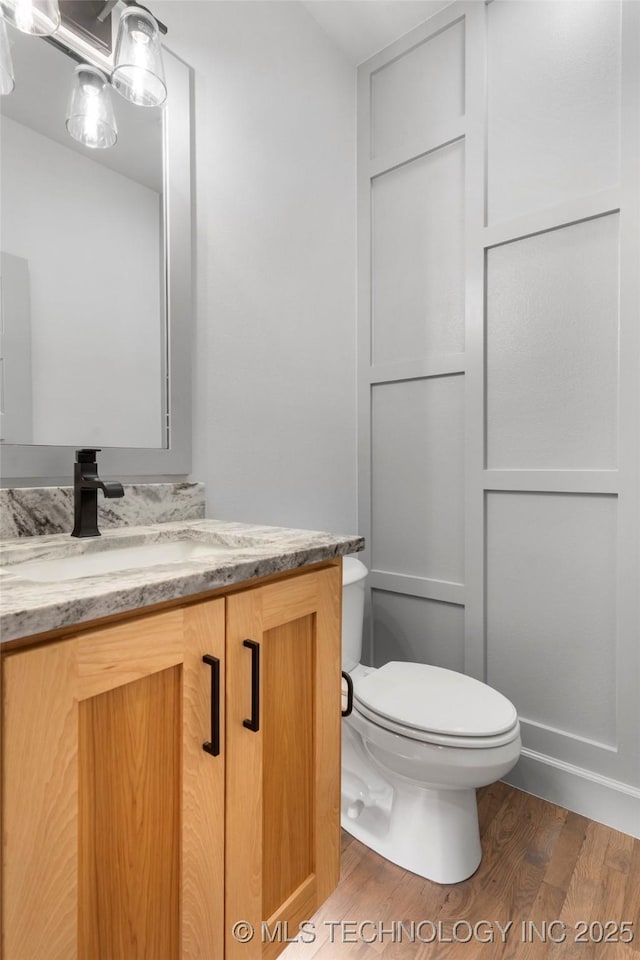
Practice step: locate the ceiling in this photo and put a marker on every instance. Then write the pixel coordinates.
(362, 27)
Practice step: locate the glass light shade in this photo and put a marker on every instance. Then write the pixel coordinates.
(40, 18)
(7, 82)
(138, 73)
(90, 118)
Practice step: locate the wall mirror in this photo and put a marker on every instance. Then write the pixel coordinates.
(95, 278)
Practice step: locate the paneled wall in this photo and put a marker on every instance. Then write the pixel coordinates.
(499, 361)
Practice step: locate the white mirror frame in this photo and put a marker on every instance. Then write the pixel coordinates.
(26, 464)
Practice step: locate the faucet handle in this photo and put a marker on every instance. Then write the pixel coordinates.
(87, 456)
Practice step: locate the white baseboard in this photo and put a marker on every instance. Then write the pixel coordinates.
(608, 801)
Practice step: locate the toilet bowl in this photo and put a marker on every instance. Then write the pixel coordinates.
(419, 741)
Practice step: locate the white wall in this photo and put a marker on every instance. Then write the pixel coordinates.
(274, 420)
(79, 224)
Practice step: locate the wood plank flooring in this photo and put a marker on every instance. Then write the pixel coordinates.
(540, 863)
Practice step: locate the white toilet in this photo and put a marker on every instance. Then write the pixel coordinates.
(418, 742)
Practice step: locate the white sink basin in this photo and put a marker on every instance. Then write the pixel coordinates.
(112, 560)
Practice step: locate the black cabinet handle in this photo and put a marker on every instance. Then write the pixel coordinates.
(213, 746)
(347, 712)
(254, 722)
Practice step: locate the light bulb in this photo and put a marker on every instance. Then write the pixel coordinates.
(40, 18)
(90, 118)
(138, 74)
(7, 82)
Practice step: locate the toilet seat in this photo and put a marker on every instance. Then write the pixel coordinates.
(438, 739)
(434, 705)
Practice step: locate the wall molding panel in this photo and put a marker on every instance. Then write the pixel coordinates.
(553, 481)
(441, 366)
(445, 590)
(453, 132)
(539, 284)
(552, 218)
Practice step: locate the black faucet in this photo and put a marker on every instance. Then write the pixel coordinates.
(86, 484)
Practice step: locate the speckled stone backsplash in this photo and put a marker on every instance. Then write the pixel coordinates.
(39, 511)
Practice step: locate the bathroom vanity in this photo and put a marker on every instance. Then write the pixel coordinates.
(171, 768)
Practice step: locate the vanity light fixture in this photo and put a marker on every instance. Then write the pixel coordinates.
(7, 82)
(90, 117)
(40, 18)
(138, 73)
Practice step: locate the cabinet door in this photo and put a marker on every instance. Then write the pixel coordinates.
(283, 778)
(92, 808)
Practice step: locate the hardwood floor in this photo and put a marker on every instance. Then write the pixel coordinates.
(540, 863)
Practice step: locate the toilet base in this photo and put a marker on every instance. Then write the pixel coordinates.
(428, 830)
(433, 833)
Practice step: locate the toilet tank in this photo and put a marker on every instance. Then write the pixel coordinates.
(353, 581)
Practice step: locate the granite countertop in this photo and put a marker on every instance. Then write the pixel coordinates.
(28, 607)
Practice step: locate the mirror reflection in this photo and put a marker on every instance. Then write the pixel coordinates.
(83, 359)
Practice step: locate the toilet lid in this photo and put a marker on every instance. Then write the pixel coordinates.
(435, 700)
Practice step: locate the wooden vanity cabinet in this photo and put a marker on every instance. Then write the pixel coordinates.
(123, 839)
